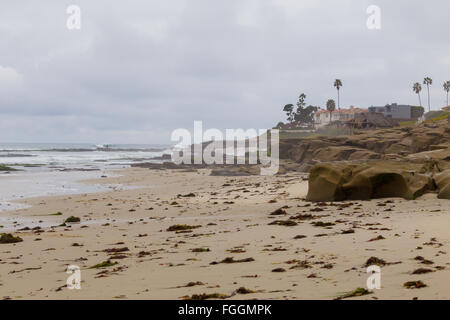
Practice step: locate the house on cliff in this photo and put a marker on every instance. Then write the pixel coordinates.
(323, 117)
(399, 112)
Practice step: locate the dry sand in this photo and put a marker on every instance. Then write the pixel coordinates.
(234, 215)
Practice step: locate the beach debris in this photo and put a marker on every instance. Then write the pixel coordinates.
(300, 236)
(116, 250)
(422, 271)
(380, 237)
(72, 219)
(279, 270)
(306, 216)
(279, 212)
(186, 195)
(414, 284)
(201, 250)
(244, 290)
(375, 261)
(192, 284)
(144, 253)
(205, 296)
(104, 264)
(423, 260)
(302, 264)
(231, 260)
(182, 227)
(26, 269)
(322, 224)
(236, 250)
(196, 283)
(355, 293)
(9, 238)
(286, 223)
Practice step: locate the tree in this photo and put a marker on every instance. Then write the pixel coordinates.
(289, 109)
(338, 85)
(301, 102)
(447, 88)
(331, 106)
(428, 81)
(417, 88)
(304, 115)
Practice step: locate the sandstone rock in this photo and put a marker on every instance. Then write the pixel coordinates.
(442, 181)
(367, 180)
(325, 182)
(370, 144)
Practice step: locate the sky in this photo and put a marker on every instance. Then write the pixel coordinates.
(138, 69)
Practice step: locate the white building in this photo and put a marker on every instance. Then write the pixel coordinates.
(324, 117)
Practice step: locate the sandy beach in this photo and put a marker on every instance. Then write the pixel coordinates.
(230, 237)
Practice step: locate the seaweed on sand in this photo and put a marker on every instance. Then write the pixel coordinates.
(286, 223)
(279, 212)
(414, 284)
(375, 261)
(205, 296)
(104, 264)
(322, 224)
(201, 250)
(72, 219)
(422, 271)
(9, 238)
(244, 290)
(231, 260)
(355, 293)
(182, 227)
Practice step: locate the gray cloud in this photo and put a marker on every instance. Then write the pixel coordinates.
(139, 69)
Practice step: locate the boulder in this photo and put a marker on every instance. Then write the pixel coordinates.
(442, 181)
(325, 182)
(367, 180)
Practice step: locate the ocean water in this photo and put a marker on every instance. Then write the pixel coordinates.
(26, 156)
(54, 169)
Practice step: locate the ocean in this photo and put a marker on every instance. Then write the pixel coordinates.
(45, 169)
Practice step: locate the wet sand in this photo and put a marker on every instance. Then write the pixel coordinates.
(232, 218)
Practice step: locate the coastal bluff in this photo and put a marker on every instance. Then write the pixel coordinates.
(403, 162)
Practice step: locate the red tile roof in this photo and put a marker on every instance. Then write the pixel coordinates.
(344, 111)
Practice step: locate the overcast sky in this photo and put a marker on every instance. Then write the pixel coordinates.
(138, 69)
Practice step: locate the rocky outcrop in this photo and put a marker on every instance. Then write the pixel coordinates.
(367, 180)
(442, 181)
(366, 145)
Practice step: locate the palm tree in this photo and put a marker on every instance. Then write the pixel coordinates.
(428, 81)
(447, 88)
(417, 88)
(331, 106)
(338, 85)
